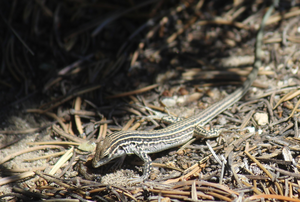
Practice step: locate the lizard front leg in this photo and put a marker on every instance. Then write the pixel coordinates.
(147, 162)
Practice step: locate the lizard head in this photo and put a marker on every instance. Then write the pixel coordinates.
(104, 153)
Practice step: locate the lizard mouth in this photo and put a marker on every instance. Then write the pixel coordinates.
(97, 163)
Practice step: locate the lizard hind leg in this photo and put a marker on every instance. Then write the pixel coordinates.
(200, 132)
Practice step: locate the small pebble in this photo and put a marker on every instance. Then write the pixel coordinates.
(261, 118)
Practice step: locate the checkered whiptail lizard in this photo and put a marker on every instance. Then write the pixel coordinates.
(142, 143)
